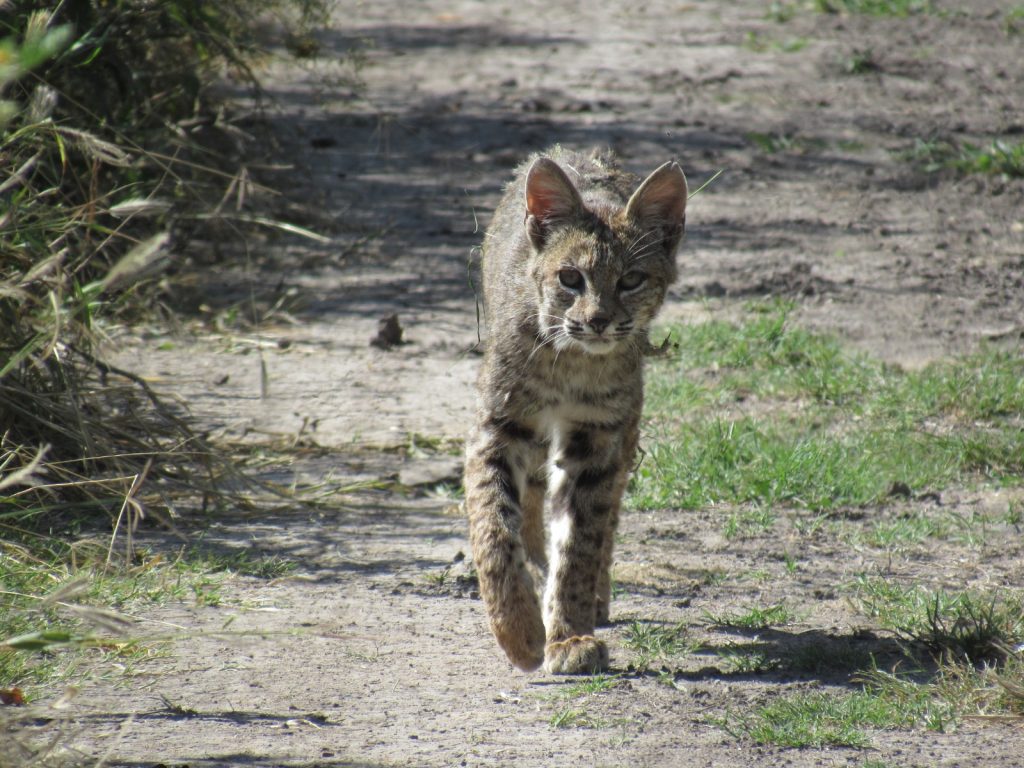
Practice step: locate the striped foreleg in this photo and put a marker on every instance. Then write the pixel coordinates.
(494, 500)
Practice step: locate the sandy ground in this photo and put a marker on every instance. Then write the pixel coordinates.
(375, 653)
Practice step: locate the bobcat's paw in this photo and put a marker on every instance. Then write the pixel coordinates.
(577, 655)
(522, 639)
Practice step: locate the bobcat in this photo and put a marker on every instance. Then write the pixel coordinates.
(574, 270)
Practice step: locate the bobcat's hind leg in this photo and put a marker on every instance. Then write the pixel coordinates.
(604, 573)
(533, 532)
(603, 601)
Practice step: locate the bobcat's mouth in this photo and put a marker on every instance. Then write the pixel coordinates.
(596, 345)
(575, 334)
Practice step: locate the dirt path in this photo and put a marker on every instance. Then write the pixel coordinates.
(374, 653)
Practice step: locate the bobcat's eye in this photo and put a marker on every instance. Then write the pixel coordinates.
(632, 279)
(570, 278)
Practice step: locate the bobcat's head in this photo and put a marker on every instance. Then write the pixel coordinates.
(601, 270)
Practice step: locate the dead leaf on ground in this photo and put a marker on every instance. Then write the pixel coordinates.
(12, 697)
(389, 333)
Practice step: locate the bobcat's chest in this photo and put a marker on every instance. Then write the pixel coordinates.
(595, 390)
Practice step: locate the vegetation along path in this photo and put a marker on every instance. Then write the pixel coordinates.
(820, 562)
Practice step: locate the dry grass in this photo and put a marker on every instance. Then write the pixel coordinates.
(83, 227)
(105, 173)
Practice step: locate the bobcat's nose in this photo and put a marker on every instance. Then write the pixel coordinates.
(599, 324)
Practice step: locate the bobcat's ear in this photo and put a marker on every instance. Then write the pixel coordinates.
(551, 199)
(660, 203)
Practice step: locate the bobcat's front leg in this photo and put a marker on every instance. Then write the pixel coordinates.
(496, 493)
(631, 439)
(584, 475)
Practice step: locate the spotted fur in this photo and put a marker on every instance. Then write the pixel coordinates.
(576, 265)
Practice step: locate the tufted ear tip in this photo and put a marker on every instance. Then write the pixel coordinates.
(549, 193)
(550, 198)
(661, 198)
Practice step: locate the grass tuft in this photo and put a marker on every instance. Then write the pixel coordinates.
(241, 562)
(1000, 157)
(967, 626)
(656, 642)
(861, 62)
(938, 701)
(785, 11)
(894, 8)
(817, 719)
(748, 522)
(589, 686)
(754, 617)
(740, 660)
(1013, 21)
(574, 717)
(941, 700)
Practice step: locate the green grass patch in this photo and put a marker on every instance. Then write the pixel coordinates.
(785, 11)
(241, 562)
(818, 719)
(781, 12)
(765, 355)
(941, 699)
(757, 43)
(62, 613)
(753, 461)
(763, 413)
(748, 522)
(574, 714)
(1014, 513)
(55, 620)
(754, 617)
(773, 143)
(742, 660)
(576, 717)
(570, 717)
(27, 604)
(936, 700)
(1013, 21)
(860, 62)
(589, 686)
(897, 8)
(982, 387)
(910, 529)
(1001, 157)
(656, 642)
(972, 529)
